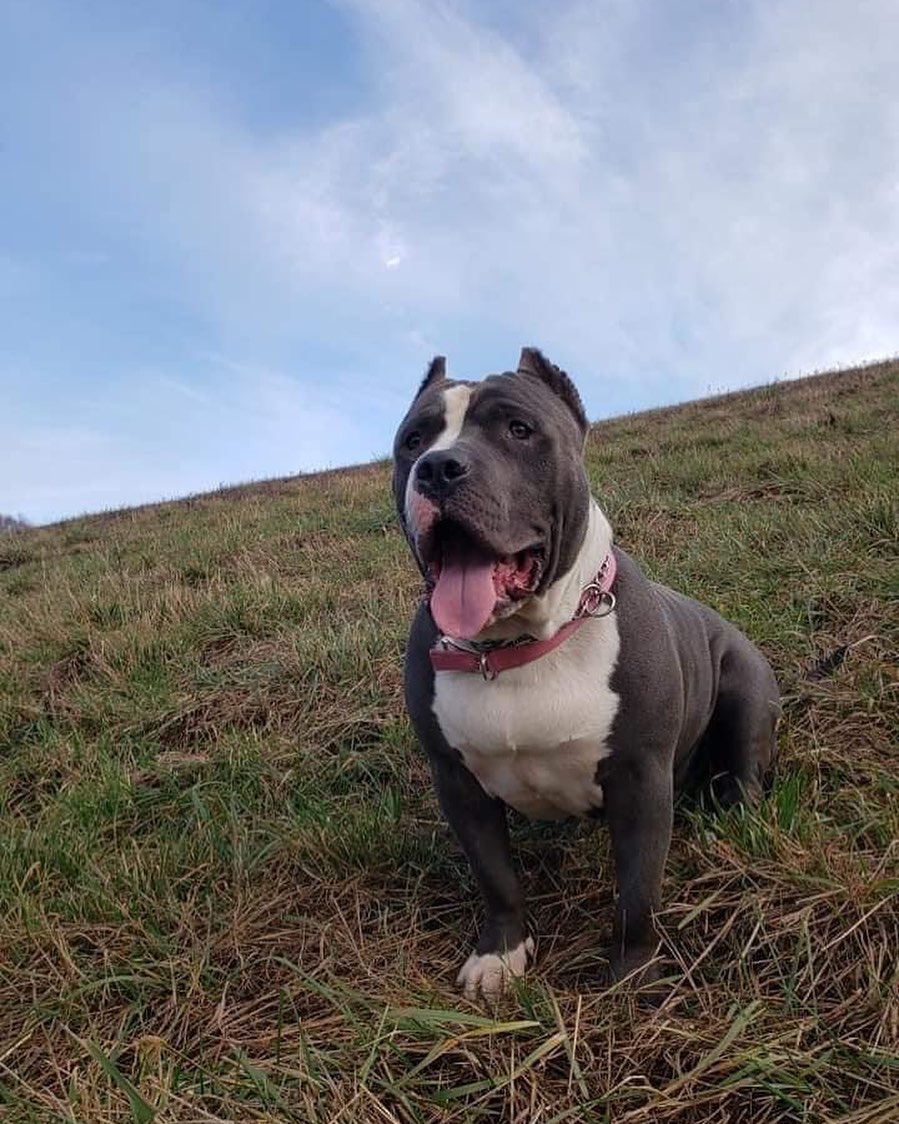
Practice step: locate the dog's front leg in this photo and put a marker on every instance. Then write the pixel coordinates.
(639, 806)
(479, 823)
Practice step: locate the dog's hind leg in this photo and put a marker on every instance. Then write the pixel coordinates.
(740, 739)
(639, 810)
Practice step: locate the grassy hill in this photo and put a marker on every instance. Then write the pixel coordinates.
(225, 890)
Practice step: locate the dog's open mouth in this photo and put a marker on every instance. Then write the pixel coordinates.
(472, 585)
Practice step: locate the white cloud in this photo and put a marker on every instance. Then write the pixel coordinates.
(715, 210)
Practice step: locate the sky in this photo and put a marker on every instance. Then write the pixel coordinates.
(233, 232)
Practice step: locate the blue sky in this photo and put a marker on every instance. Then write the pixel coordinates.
(232, 232)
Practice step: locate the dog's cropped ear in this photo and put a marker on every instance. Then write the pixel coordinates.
(435, 373)
(535, 364)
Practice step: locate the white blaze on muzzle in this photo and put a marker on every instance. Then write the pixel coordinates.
(420, 511)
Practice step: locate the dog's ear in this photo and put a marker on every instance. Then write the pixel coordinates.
(435, 373)
(536, 365)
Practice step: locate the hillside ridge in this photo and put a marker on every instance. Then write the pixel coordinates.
(822, 381)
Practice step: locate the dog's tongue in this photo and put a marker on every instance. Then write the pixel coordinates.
(464, 597)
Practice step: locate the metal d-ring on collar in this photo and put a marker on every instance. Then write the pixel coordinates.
(486, 670)
(595, 600)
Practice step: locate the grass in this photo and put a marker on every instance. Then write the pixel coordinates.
(225, 890)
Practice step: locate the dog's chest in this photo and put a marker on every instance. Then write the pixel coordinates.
(534, 735)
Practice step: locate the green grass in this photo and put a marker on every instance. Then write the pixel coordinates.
(225, 890)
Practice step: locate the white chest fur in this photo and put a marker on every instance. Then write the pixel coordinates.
(534, 735)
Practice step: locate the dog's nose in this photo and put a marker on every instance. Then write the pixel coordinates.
(438, 473)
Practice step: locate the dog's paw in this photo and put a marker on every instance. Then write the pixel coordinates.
(642, 971)
(488, 974)
(639, 965)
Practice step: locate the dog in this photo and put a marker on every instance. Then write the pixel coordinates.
(544, 672)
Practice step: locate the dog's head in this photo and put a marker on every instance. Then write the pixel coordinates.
(490, 487)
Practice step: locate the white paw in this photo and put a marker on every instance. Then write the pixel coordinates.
(489, 975)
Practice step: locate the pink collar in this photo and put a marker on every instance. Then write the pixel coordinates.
(597, 600)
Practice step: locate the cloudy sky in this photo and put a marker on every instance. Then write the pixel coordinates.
(232, 232)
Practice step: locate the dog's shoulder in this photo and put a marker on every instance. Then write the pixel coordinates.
(653, 673)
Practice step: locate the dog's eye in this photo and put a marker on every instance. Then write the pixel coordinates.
(520, 430)
(413, 441)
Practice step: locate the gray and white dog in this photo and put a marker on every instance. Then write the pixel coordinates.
(544, 671)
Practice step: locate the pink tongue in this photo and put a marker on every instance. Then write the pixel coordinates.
(464, 597)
